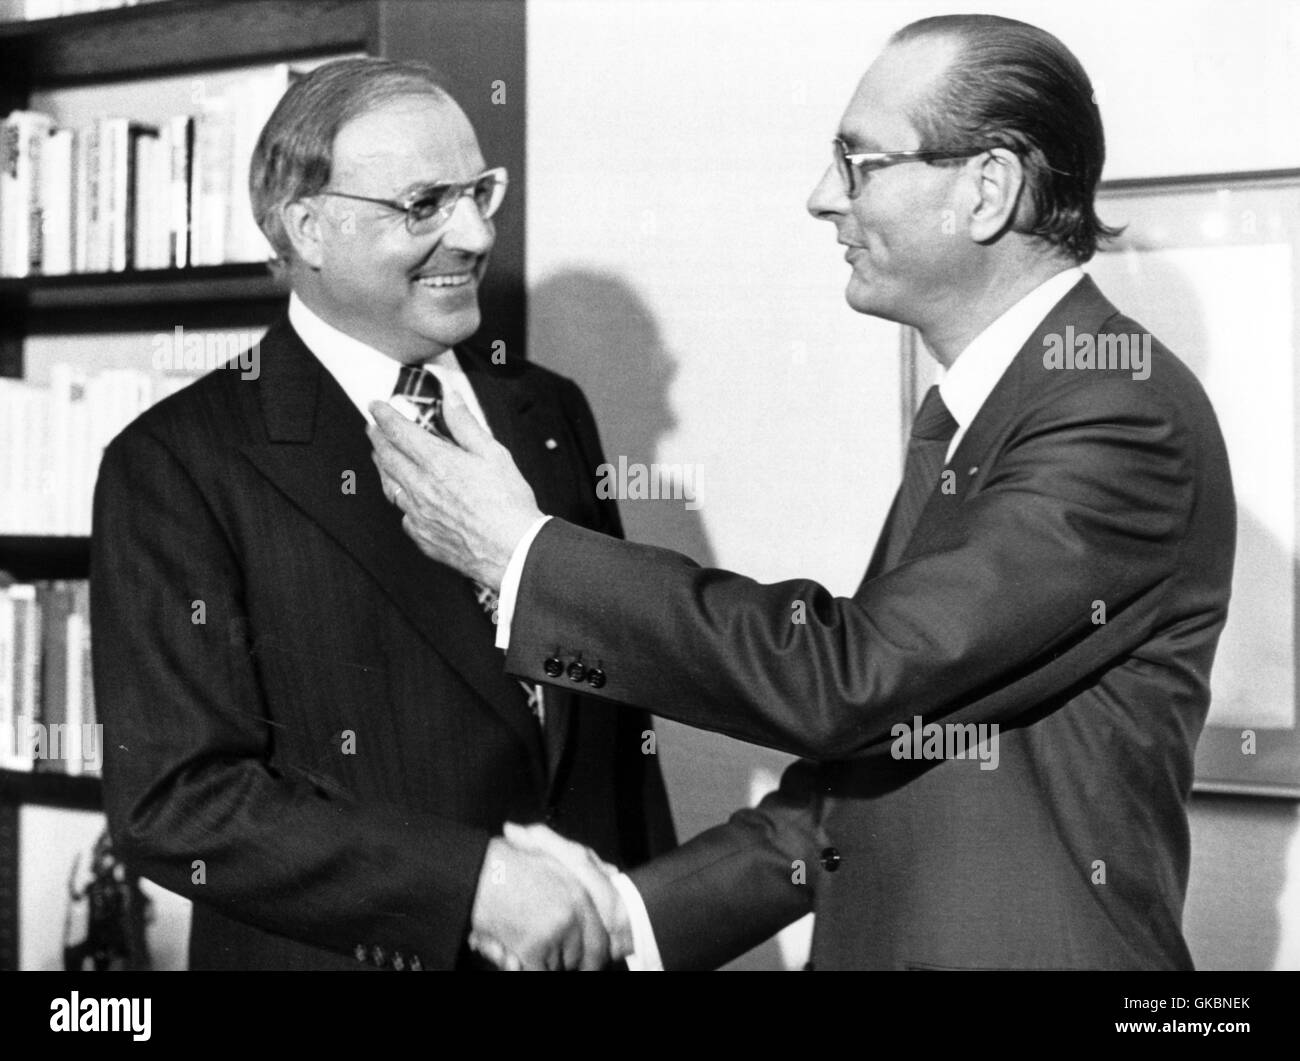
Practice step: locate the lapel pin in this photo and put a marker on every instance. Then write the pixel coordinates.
(551, 443)
(973, 470)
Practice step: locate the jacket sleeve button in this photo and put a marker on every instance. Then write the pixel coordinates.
(553, 667)
(577, 672)
(595, 677)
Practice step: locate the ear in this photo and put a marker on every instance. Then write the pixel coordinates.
(304, 222)
(999, 184)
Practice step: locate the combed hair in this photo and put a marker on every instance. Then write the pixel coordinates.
(1015, 86)
(293, 155)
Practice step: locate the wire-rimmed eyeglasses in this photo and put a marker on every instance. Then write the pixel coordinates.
(427, 209)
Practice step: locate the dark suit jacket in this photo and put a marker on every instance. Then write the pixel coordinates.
(310, 732)
(1070, 488)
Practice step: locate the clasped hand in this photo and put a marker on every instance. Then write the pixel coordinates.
(544, 902)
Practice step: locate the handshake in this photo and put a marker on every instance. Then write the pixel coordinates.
(547, 903)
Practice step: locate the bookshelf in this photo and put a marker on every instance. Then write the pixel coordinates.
(51, 790)
(477, 46)
(207, 296)
(29, 557)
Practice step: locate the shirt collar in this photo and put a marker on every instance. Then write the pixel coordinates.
(971, 378)
(365, 374)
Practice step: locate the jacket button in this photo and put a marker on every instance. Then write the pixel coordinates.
(360, 953)
(415, 965)
(399, 963)
(577, 671)
(553, 667)
(830, 860)
(377, 953)
(595, 677)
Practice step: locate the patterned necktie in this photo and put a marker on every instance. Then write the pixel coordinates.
(932, 430)
(421, 387)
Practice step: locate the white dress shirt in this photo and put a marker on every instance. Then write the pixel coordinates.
(367, 375)
(964, 389)
(976, 371)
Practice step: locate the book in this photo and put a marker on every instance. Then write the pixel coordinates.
(25, 479)
(210, 185)
(22, 138)
(180, 145)
(57, 202)
(257, 97)
(26, 672)
(9, 736)
(55, 603)
(80, 695)
(139, 158)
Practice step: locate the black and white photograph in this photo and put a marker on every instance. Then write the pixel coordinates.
(650, 486)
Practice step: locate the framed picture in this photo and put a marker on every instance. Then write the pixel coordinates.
(1211, 265)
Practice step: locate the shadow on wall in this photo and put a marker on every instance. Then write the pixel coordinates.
(595, 328)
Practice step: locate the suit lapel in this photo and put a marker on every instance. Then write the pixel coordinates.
(520, 423)
(315, 436)
(1087, 309)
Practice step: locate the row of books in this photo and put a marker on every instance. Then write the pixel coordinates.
(122, 194)
(31, 10)
(47, 700)
(52, 439)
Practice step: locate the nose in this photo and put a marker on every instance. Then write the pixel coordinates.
(466, 230)
(829, 200)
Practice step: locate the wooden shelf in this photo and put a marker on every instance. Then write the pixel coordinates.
(30, 557)
(77, 792)
(139, 287)
(203, 296)
(180, 36)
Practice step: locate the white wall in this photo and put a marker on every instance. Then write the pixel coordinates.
(675, 274)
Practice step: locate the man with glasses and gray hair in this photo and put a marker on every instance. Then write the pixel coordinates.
(997, 729)
(312, 735)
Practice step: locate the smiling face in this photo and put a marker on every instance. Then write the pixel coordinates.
(409, 296)
(903, 229)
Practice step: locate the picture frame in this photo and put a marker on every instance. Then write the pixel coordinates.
(1210, 263)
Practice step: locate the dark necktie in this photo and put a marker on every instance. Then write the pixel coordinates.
(421, 387)
(932, 431)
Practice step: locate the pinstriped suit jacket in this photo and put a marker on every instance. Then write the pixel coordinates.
(318, 753)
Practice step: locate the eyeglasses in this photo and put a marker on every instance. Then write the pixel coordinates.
(428, 209)
(851, 166)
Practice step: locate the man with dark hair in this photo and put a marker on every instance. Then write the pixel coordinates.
(312, 737)
(997, 728)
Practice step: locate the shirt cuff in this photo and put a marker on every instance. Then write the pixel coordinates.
(645, 951)
(510, 583)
